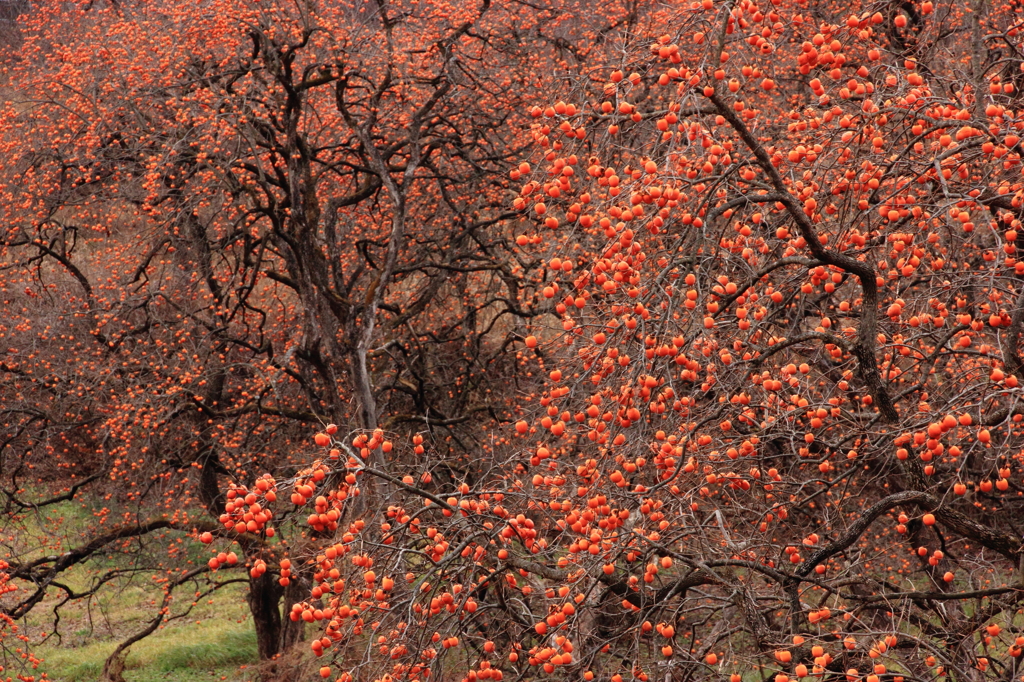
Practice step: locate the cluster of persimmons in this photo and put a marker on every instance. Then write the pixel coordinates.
(765, 420)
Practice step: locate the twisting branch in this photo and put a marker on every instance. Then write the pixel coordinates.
(867, 333)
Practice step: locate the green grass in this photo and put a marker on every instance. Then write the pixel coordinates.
(229, 646)
(216, 641)
(181, 651)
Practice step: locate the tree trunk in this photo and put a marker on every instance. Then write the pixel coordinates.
(113, 667)
(275, 632)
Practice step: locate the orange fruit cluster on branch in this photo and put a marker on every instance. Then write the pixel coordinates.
(507, 340)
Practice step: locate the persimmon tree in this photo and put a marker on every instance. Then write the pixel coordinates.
(224, 224)
(760, 261)
(780, 436)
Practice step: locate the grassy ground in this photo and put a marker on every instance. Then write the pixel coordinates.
(215, 642)
(210, 651)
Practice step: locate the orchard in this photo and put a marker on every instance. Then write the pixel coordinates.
(525, 341)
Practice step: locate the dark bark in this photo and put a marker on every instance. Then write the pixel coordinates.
(275, 631)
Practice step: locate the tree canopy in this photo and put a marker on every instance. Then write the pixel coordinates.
(526, 340)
